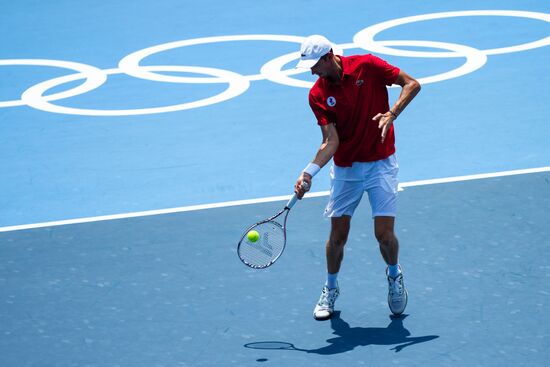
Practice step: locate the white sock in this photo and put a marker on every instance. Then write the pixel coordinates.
(332, 280)
(394, 270)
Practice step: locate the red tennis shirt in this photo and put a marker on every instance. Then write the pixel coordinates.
(352, 104)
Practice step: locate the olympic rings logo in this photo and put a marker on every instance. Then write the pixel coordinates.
(273, 70)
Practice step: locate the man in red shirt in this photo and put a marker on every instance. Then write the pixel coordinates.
(350, 102)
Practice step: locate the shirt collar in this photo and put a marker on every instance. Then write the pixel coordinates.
(346, 68)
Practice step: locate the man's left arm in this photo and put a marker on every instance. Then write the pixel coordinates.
(409, 89)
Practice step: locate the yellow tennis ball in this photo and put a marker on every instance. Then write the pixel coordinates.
(253, 236)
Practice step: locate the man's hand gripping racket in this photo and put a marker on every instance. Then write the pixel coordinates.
(261, 252)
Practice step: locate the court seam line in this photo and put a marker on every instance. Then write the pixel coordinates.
(259, 200)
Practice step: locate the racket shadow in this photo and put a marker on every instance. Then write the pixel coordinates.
(348, 338)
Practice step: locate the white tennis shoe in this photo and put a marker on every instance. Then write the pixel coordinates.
(397, 294)
(325, 307)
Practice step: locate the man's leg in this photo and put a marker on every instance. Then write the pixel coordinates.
(339, 231)
(334, 254)
(389, 248)
(389, 245)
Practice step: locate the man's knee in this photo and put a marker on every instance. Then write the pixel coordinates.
(337, 239)
(385, 236)
(383, 230)
(339, 231)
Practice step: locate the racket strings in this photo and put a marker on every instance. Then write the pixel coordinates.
(267, 248)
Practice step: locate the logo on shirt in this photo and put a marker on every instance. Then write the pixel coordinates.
(359, 82)
(331, 101)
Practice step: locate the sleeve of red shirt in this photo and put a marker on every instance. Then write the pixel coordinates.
(318, 108)
(387, 72)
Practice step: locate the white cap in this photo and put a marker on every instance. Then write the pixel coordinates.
(312, 49)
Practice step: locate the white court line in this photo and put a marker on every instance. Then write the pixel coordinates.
(261, 200)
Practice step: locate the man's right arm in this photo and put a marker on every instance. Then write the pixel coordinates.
(324, 154)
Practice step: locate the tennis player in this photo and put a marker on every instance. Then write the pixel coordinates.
(350, 103)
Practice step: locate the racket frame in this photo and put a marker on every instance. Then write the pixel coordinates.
(271, 219)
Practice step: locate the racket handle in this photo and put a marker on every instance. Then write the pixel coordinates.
(292, 201)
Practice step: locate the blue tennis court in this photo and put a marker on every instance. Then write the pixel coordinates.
(138, 140)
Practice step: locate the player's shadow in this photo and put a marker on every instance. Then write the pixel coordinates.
(348, 338)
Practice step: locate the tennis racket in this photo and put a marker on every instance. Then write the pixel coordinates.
(266, 249)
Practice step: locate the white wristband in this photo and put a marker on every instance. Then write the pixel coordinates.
(312, 169)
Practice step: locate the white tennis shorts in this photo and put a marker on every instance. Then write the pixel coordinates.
(378, 179)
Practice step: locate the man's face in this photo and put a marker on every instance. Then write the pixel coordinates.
(323, 68)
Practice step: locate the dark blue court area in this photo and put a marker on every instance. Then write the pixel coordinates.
(170, 290)
(139, 139)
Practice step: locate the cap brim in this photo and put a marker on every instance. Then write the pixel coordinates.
(309, 63)
(306, 64)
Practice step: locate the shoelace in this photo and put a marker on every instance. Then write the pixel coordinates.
(327, 298)
(396, 286)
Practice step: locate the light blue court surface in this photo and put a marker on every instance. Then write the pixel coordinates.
(124, 107)
(64, 159)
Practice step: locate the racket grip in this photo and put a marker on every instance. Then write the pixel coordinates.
(292, 201)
